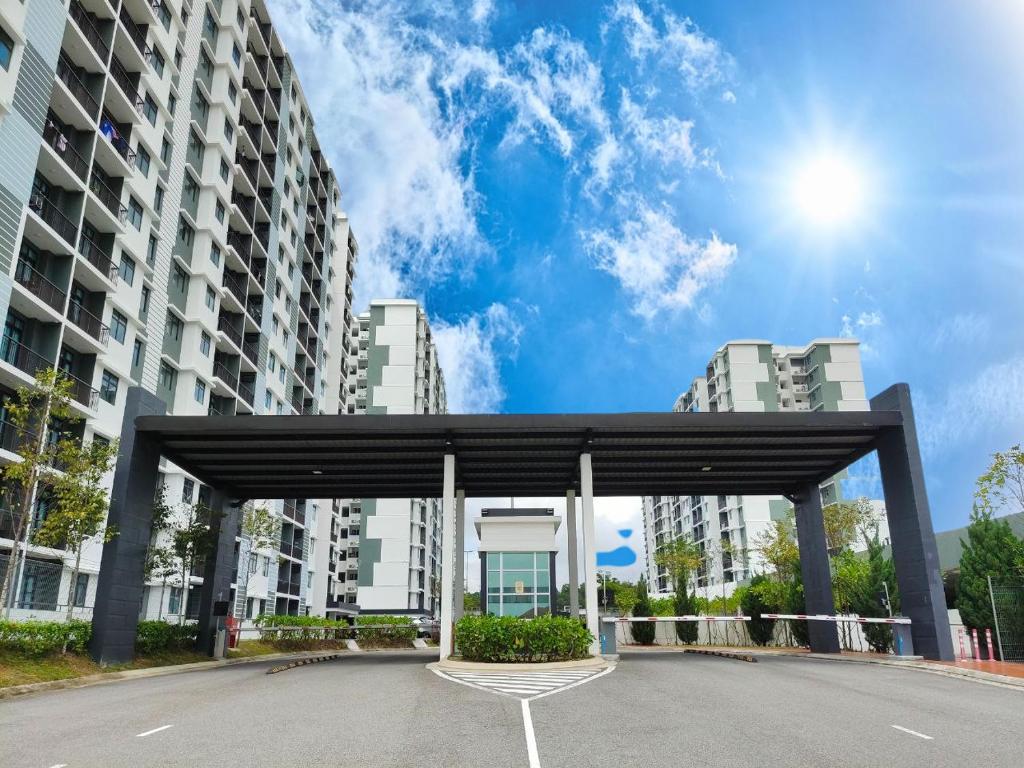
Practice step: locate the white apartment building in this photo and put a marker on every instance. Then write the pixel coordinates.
(167, 220)
(389, 553)
(749, 376)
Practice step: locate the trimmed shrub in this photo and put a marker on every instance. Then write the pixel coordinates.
(511, 639)
(755, 602)
(643, 631)
(683, 604)
(161, 637)
(315, 632)
(40, 638)
(387, 630)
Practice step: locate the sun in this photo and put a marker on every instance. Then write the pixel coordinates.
(828, 190)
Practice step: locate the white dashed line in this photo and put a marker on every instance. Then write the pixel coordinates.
(155, 730)
(59, 765)
(913, 733)
(531, 740)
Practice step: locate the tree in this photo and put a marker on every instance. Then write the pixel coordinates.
(1000, 490)
(624, 597)
(192, 541)
(643, 631)
(681, 558)
(31, 412)
(880, 577)
(991, 550)
(260, 530)
(78, 502)
(845, 520)
(777, 547)
(755, 601)
(471, 602)
(159, 563)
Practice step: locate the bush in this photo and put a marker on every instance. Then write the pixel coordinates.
(388, 630)
(756, 601)
(684, 605)
(161, 637)
(316, 632)
(643, 631)
(39, 638)
(511, 639)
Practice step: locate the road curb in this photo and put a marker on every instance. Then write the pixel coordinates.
(454, 665)
(723, 654)
(302, 663)
(15, 691)
(976, 675)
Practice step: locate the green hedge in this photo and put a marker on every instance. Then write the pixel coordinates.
(394, 630)
(161, 636)
(39, 638)
(509, 639)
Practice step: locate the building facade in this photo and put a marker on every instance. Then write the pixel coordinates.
(392, 547)
(167, 220)
(749, 376)
(517, 561)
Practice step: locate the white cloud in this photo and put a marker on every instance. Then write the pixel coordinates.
(637, 28)
(863, 328)
(481, 11)
(469, 352)
(667, 140)
(657, 264)
(962, 329)
(729, 97)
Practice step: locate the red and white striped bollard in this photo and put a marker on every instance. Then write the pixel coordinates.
(977, 648)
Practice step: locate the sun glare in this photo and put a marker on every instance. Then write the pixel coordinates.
(828, 190)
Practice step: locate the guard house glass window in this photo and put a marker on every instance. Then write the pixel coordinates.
(518, 584)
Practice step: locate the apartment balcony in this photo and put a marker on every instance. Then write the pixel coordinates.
(110, 199)
(89, 323)
(125, 99)
(67, 74)
(62, 147)
(21, 357)
(11, 440)
(293, 512)
(222, 372)
(50, 214)
(82, 392)
(289, 586)
(98, 258)
(236, 285)
(36, 283)
(136, 32)
(249, 171)
(225, 326)
(246, 392)
(85, 22)
(291, 548)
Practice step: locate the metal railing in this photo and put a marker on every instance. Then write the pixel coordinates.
(62, 146)
(82, 391)
(88, 322)
(245, 390)
(120, 144)
(232, 284)
(77, 12)
(12, 438)
(66, 74)
(221, 372)
(135, 32)
(107, 197)
(230, 331)
(97, 257)
(46, 210)
(37, 283)
(21, 357)
(251, 350)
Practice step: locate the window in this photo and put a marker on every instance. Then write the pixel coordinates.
(272, 362)
(239, 18)
(174, 601)
(180, 279)
(277, 289)
(201, 106)
(135, 213)
(223, 170)
(204, 344)
(108, 387)
(249, 601)
(118, 326)
(162, 13)
(136, 354)
(149, 109)
(190, 189)
(205, 64)
(168, 377)
(158, 199)
(236, 55)
(142, 160)
(172, 103)
(177, 58)
(211, 299)
(229, 130)
(232, 92)
(209, 25)
(151, 251)
(186, 235)
(81, 588)
(268, 400)
(215, 256)
(281, 372)
(187, 489)
(219, 211)
(165, 151)
(6, 49)
(144, 301)
(518, 583)
(200, 391)
(127, 269)
(172, 328)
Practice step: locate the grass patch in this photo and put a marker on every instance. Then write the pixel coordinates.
(21, 669)
(249, 648)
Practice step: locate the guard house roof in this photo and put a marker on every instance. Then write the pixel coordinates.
(398, 456)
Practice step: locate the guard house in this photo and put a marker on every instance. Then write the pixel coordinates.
(517, 561)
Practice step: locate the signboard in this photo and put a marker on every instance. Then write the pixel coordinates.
(520, 587)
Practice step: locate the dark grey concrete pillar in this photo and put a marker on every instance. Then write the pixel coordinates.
(218, 567)
(910, 529)
(115, 617)
(814, 569)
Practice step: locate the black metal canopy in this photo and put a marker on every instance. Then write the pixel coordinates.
(633, 454)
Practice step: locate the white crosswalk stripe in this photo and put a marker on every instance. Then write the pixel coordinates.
(525, 683)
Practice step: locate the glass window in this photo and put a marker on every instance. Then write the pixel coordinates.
(144, 300)
(142, 160)
(149, 109)
(151, 250)
(127, 269)
(200, 391)
(136, 354)
(223, 169)
(81, 588)
(6, 49)
(157, 60)
(204, 344)
(135, 213)
(219, 212)
(236, 55)
(232, 92)
(108, 387)
(211, 299)
(229, 130)
(118, 326)
(158, 199)
(168, 376)
(165, 151)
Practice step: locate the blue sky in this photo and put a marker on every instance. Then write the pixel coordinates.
(591, 197)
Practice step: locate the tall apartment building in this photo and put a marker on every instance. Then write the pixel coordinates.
(167, 220)
(390, 553)
(749, 376)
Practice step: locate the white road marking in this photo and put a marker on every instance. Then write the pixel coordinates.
(59, 765)
(531, 740)
(913, 733)
(155, 730)
(528, 683)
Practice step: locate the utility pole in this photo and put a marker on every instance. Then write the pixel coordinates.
(995, 617)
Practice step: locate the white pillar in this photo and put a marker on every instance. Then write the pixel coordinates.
(447, 553)
(460, 553)
(590, 551)
(574, 570)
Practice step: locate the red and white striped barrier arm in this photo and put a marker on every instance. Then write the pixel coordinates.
(826, 617)
(628, 619)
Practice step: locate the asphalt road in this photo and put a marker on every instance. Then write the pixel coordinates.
(657, 709)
